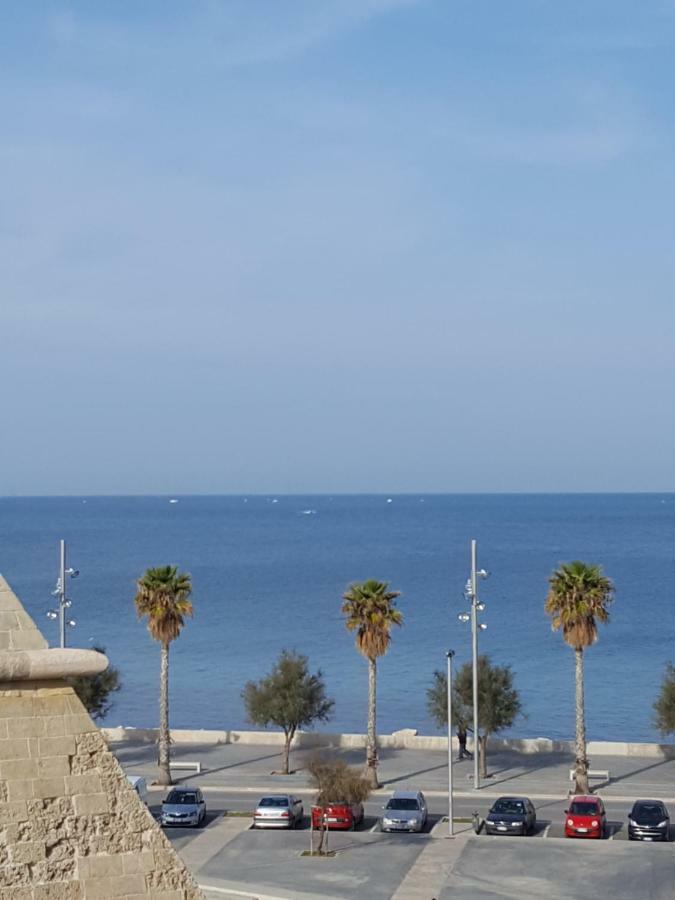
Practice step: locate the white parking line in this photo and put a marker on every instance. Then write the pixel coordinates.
(230, 892)
(376, 827)
(546, 830)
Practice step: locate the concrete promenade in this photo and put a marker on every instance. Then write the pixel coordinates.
(248, 768)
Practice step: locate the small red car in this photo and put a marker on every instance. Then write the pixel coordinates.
(585, 817)
(344, 816)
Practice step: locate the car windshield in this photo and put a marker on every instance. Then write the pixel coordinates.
(650, 812)
(181, 797)
(274, 801)
(509, 807)
(403, 803)
(584, 808)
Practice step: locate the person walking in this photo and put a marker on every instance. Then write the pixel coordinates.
(461, 738)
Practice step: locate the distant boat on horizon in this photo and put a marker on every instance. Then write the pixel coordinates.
(173, 501)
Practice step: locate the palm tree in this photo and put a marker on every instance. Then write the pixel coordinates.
(162, 595)
(577, 600)
(370, 611)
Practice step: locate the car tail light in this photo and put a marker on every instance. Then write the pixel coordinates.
(284, 815)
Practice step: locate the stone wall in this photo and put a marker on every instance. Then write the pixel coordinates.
(405, 739)
(71, 825)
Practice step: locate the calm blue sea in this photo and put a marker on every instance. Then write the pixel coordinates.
(269, 572)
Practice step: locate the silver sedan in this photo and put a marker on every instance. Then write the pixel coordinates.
(405, 811)
(278, 811)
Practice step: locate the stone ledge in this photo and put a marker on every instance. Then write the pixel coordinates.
(41, 665)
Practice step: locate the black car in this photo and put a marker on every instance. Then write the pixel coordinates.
(511, 815)
(648, 821)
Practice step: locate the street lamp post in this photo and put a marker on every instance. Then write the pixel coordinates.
(471, 593)
(60, 592)
(451, 832)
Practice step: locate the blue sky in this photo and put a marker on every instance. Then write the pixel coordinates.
(361, 245)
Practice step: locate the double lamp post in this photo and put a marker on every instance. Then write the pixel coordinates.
(471, 594)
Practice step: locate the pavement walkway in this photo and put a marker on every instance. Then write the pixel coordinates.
(250, 768)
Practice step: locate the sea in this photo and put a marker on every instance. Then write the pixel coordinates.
(268, 573)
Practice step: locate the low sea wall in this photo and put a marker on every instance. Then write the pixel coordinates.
(405, 739)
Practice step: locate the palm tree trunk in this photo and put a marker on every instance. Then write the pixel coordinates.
(371, 741)
(164, 758)
(581, 762)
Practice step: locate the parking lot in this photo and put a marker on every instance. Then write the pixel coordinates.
(579, 870)
(225, 855)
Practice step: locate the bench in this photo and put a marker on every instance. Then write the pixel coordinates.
(197, 766)
(595, 774)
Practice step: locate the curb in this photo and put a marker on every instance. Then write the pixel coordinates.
(384, 792)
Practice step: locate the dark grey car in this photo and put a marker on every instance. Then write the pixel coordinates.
(648, 821)
(511, 815)
(184, 806)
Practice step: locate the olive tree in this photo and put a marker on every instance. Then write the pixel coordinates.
(335, 782)
(498, 701)
(95, 690)
(288, 697)
(664, 707)
(437, 704)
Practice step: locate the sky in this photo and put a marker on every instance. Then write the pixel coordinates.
(336, 246)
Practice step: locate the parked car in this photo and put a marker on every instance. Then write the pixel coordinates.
(511, 815)
(405, 811)
(140, 785)
(184, 806)
(648, 821)
(585, 817)
(343, 816)
(278, 811)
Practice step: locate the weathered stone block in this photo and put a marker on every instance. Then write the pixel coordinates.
(15, 811)
(18, 893)
(103, 865)
(56, 746)
(54, 870)
(26, 640)
(88, 783)
(59, 890)
(27, 727)
(53, 766)
(119, 886)
(54, 726)
(12, 749)
(48, 788)
(14, 875)
(50, 703)
(138, 862)
(15, 705)
(27, 852)
(8, 620)
(78, 724)
(20, 789)
(90, 804)
(18, 768)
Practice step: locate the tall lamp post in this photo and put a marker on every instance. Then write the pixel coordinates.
(471, 594)
(449, 656)
(64, 602)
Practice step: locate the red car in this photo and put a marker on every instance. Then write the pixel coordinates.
(342, 816)
(585, 817)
